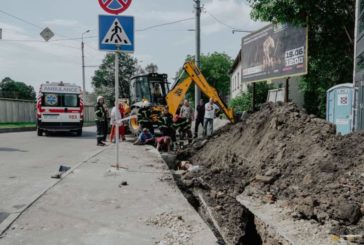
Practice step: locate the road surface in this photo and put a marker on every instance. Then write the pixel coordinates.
(28, 161)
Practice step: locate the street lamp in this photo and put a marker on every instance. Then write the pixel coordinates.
(83, 66)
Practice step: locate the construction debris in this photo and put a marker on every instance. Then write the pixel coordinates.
(282, 153)
(62, 169)
(123, 183)
(177, 231)
(186, 165)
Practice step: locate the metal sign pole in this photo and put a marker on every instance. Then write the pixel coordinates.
(286, 91)
(117, 106)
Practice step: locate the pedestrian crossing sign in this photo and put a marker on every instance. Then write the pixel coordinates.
(116, 33)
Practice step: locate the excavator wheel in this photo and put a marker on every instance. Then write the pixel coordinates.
(134, 126)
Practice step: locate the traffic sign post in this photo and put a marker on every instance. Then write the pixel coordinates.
(115, 6)
(47, 34)
(117, 107)
(116, 33)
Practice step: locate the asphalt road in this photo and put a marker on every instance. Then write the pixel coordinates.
(27, 163)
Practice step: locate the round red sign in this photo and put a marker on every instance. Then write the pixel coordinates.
(115, 6)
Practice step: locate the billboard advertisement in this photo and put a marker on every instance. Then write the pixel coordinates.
(275, 51)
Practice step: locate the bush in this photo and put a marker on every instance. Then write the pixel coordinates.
(243, 102)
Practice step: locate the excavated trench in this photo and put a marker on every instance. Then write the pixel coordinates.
(280, 176)
(244, 233)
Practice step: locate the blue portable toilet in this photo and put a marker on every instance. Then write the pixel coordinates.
(339, 107)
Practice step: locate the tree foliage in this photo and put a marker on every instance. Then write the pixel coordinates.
(330, 41)
(103, 80)
(215, 67)
(16, 90)
(151, 68)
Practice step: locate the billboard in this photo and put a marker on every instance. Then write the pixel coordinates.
(275, 51)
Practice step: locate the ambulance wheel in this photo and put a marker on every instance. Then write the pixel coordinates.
(39, 132)
(79, 132)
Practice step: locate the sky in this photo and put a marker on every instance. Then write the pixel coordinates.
(26, 57)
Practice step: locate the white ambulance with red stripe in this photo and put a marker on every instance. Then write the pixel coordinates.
(59, 108)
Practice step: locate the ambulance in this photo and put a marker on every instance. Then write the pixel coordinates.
(59, 108)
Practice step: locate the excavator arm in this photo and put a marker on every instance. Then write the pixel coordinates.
(177, 93)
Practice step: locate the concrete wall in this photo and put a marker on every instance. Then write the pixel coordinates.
(89, 113)
(17, 111)
(25, 111)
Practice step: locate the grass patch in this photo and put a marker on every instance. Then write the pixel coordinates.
(17, 125)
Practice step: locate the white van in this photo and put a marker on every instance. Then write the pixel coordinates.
(59, 108)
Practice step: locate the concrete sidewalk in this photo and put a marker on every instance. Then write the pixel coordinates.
(89, 206)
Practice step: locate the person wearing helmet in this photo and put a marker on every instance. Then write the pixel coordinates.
(100, 118)
(144, 117)
(165, 124)
(183, 126)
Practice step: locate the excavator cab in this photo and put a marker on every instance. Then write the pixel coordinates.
(152, 87)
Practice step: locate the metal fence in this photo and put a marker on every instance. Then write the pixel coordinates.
(14, 111)
(276, 95)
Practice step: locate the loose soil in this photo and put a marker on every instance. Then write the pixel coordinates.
(281, 153)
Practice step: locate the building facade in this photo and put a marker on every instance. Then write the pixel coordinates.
(236, 86)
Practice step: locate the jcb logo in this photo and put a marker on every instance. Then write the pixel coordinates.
(178, 92)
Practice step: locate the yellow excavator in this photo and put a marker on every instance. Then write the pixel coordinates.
(152, 90)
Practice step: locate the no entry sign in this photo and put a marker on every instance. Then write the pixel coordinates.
(115, 6)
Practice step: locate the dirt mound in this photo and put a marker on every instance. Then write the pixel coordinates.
(282, 153)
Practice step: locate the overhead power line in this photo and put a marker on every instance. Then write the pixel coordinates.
(21, 19)
(165, 24)
(226, 25)
(50, 41)
(219, 21)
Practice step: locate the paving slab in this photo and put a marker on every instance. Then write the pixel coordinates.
(90, 206)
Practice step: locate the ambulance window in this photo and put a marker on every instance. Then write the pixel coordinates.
(70, 100)
(51, 100)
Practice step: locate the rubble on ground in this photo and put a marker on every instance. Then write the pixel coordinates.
(282, 153)
(178, 232)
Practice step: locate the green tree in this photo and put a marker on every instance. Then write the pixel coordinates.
(16, 90)
(103, 80)
(243, 102)
(151, 68)
(215, 67)
(330, 41)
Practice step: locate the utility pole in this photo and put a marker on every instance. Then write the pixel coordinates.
(83, 67)
(198, 47)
